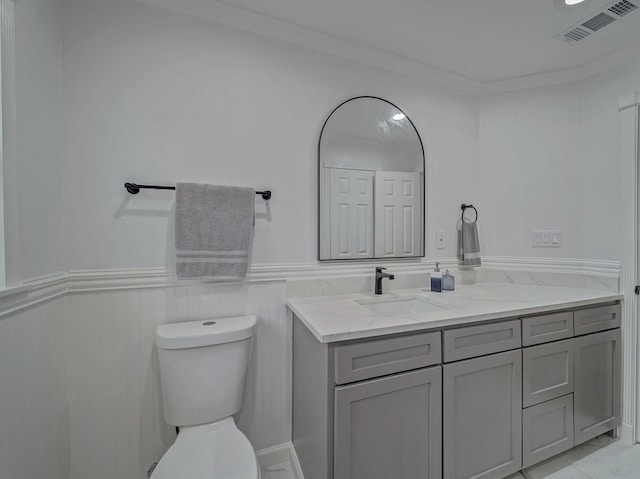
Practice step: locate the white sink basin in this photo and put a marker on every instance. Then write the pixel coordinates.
(400, 306)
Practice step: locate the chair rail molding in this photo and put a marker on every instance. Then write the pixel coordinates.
(37, 290)
(629, 108)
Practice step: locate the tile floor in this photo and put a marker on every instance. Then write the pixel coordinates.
(600, 458)
(282, 470)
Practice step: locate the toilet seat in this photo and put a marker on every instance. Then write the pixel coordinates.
(211, 451)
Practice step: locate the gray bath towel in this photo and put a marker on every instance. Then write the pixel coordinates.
(214, 229)
(468, 245)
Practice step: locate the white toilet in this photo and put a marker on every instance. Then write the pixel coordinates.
(203, 366)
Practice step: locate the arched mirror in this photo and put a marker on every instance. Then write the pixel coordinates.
(371, 183)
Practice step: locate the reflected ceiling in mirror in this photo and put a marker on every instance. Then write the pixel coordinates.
(371, 183)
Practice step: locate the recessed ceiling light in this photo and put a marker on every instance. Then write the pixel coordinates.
(566, 4)
(399, 116)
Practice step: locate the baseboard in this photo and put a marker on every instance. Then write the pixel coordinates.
(295, 463)
(274, 455)
(280, 453)
(626, 433)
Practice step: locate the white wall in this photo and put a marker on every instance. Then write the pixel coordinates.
(551, 159)
(34, 214)
(34, 415)
(603, 188)
(153, 96)
(532, 170)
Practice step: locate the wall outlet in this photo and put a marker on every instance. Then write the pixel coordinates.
(547, 239)
(441, 240)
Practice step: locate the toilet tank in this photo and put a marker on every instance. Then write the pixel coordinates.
(203, 367)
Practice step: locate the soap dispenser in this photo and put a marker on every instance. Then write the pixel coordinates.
(436, 279)
(448, 281)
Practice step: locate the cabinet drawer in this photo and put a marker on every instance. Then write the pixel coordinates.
(547, 372)
(547, 328)
(596, 319)
(481, 340)
(547, 430)
(370, 359)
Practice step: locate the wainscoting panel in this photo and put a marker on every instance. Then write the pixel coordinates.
(34, 431)
(116, 421)
(80, 390)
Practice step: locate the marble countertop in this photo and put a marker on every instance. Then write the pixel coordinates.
(341, 318)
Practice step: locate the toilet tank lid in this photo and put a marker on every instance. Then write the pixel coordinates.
(206, 332)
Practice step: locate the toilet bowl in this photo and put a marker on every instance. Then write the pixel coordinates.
(211, 451)
(203, 366)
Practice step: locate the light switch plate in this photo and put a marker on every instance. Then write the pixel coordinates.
(546, 239)
(441, 240)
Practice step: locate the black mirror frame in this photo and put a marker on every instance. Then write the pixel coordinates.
(424, 193)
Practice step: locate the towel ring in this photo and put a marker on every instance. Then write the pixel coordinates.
(463, 207)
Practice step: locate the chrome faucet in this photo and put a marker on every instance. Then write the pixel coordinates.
(379, 277)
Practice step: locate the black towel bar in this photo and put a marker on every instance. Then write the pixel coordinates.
(135, 188)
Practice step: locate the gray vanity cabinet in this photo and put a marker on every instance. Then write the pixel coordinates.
(482, 413)
(479, 401)
(597, 401)
(390, 427)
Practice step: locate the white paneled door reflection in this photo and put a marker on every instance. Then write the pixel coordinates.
(351, 213)
(375, 213)
(397, 219)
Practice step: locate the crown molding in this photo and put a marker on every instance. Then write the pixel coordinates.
(260, 24)
(301, 36)
(534, 81)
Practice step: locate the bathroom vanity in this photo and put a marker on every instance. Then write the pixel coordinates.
(480, 383)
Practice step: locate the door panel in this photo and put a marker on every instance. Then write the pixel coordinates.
(351, 213)
(390, 427)
(398, 214)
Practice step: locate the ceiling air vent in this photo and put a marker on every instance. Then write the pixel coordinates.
(622, 8)
(597, 21)
(601, 20)
(576, 35)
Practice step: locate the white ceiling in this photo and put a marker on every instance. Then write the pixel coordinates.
(478, 46)
(483, 40)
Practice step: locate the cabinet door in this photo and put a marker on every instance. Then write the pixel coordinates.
(390, 427)
(483, 417)
(597, 384)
